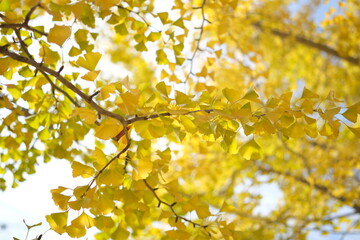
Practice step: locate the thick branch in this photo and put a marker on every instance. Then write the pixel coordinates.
(25, 24)
(310, 43)
(40, 67)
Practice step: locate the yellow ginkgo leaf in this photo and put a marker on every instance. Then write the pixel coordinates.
(356, 131)
(295, 130)
(79, 169)
(83, 220)
(90, 76)
(87, 115)
(188, 124)
(252, 96)
(231, 95)
(89, 60)
(109, 128)
(144, 169)
(60, 200)
(105, 5)
(59, 34)
(75, 232)
(250, 150)
(181, 98)
(120, 234)
(308, 94)
(107, 90)
(58, 221)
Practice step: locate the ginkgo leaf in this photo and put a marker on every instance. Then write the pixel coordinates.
(188, 124)
(295, 130)
(89, 60)
(59, 34)
(181, 98)
(178, 234)
(90, 76)
(154, 36)
(83, 220)
(75, 232)
(352, 112)
(162, 88)
(179, 23)
(109, 128)
(121, 29)
(104, 223)
(141, 47)
(231, 95)
(57, 221)
(143, 170)
(250, 150)
(163, 17)
(4, 65)
(105, 5)
(202, 211)
(120, 234)
(356, 131)
(87, 115)
(130, 101)
(107, 90)
(308, 94)
(79, 169)
(61, 200)
(161, 57)
(252, 96)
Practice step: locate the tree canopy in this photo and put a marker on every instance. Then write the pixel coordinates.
(178, 112)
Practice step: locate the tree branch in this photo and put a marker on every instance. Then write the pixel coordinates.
(25, 24)
(201, 28)
(171, 206)
(40, 67)
(310, 43)
(166, 114)
(107, 164)
(319, 187)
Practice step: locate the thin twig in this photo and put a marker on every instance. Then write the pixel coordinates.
(166, 114)
(171, 206)
(201, 28)
(105, 166)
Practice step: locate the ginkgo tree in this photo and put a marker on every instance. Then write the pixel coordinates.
(196, 105)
